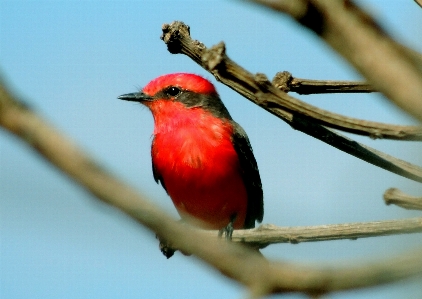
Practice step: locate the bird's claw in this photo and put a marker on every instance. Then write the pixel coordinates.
(227, 231)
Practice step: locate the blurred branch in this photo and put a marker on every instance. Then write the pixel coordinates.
(419, 2)
(396, 197)
(287, 83)
(241, 264)
(261, 92)
(391, 68)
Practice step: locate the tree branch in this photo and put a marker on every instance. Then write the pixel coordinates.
(287, 83)
(270, 234)
(391, 68)
(396, 197)
(261, 92)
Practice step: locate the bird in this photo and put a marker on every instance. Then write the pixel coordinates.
(200, 155)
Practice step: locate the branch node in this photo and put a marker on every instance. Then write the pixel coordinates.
(166, 249)
(376, 134)
(199, 45)
(389, 195)
(396, 197)
(294, 240)
(267, 226)
(214, 57)
(282, 81)
(262, 81)
(172, 34)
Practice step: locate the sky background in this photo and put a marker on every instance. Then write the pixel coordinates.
(71, 59)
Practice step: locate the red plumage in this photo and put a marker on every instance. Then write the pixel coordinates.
(186, 81)
(200, 155)
(195, 157)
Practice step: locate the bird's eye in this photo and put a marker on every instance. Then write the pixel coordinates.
(173, 91)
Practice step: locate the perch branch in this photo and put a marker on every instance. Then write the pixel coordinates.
(261, 92)
(270, 234)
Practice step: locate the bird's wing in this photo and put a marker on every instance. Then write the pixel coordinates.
(157, 176)
(250, 174)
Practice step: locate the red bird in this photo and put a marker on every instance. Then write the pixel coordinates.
(200, 155)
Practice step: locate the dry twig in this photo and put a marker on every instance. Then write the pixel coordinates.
(396, 197)
(270, 234)
(287, 83)
(355, 35)
(260, 91)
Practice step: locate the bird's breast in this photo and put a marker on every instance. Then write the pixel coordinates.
(203, 147)
(200, 170)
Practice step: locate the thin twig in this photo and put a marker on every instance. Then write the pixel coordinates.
(260, 276)
(287, 83)
(396, 197)
(267, 234)
(260, 91)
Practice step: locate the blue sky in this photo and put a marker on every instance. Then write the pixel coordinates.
(71, 59)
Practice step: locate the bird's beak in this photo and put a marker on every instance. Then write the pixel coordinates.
(135, 97)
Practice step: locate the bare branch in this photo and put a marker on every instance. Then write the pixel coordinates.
(261, 92)
(267, 234)
(391, 68)
(396, 197)
(287, 83)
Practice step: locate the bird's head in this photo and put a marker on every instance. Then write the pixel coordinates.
(179, 90)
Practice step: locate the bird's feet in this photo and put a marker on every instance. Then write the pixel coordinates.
(228, 230)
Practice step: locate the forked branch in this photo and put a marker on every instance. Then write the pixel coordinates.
(390, 67)
(287, 83)
(260, 91)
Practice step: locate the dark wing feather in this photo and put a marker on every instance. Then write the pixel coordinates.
(157, 177)
(251, 178)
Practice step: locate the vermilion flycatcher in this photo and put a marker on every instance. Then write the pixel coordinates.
(200, 155)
